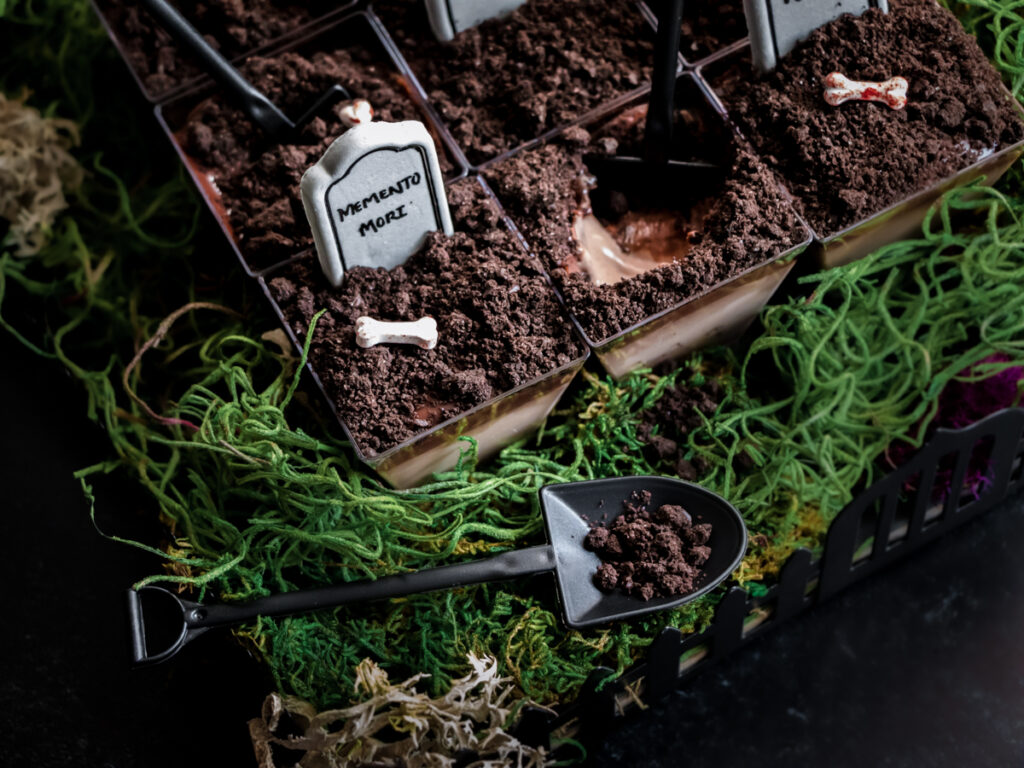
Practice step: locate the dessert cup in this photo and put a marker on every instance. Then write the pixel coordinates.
(542, 340)
(148, 52)
(515, 81)
(961, 116)
(672, 310)
(251, 185)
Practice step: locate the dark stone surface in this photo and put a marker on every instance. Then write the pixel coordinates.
(918, 666)
(67, 694)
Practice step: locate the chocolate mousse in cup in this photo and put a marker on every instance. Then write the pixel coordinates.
(505, 349)
(162, 70)
(513, 80)
(250, 182)
(865, 171)
(650, 276)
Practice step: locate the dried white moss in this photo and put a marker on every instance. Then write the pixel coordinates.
(36, 169)
(397, 726)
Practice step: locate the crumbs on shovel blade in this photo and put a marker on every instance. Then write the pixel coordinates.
(650, 555)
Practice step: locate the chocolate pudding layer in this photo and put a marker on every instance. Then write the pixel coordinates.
(699, 235)
(511, 79)
(230, 26)
(499, 322)
(848, 162)
(258, 179)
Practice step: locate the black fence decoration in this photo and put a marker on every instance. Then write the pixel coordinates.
(912, 505)
(904, 510)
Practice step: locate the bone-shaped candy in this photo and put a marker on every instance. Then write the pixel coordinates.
(422, 332)
(840, 89)
(356, 112)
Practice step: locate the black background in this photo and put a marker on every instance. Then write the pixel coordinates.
(921, 665)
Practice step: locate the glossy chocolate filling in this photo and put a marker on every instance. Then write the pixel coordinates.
(625, 243)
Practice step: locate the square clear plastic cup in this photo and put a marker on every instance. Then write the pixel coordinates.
(494, 424)
(896, 222)
(173, 116)
(717, 315)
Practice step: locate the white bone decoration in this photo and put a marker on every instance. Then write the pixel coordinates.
(840, 89)
(355, 112)
(374, 196)
(449, 17)
(776, 26)
(422, 332)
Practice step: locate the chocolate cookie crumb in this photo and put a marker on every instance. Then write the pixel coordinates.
(710, 25)
(647, 555)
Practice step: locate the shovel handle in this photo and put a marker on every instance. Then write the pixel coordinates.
(254, 103)
(137, 626)
(198, 618)
(658, 129)
(507, 565)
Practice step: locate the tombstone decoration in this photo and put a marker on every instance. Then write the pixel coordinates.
(374, 196)
(449, 17)
(776, 26)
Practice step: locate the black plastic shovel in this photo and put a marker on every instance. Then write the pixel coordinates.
(254, 103)
(566, 507)
(655, 168)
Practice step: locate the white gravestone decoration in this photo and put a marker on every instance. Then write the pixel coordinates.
(374, 196)
(449, 17)
(776, 26)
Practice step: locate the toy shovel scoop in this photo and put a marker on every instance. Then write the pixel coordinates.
(260, 109)
(566, 508)
(655, 168)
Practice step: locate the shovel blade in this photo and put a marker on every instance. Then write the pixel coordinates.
(665, 182)
(571, 508)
